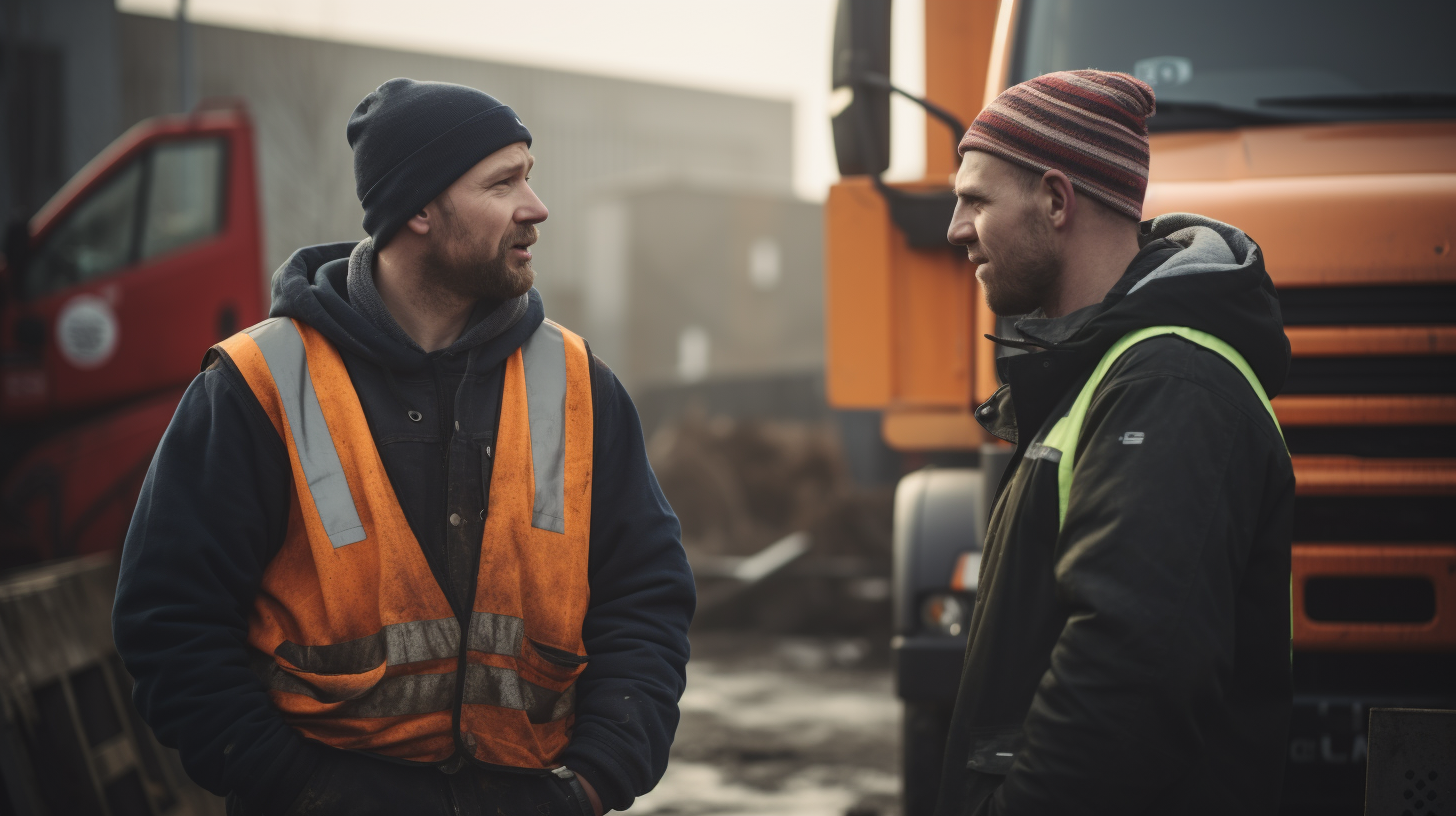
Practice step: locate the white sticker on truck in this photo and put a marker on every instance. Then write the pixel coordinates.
(87, 331)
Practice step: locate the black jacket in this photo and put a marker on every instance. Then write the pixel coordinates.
(214, 509)
(1137, 660)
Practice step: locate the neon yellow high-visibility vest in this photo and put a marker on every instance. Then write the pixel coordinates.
(1063, 435)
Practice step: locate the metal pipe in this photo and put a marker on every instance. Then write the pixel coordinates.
(186, 64)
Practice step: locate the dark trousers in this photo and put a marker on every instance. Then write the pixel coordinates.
(348, 784)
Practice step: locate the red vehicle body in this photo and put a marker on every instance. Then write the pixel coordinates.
(111, 295)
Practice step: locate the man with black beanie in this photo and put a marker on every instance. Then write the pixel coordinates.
(400, 550)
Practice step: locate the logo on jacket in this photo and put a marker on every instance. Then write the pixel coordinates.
(1131, 438)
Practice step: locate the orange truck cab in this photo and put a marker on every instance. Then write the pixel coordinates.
(1324, 131)
(109, 296)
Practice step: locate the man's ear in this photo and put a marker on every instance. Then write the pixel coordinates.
(420, 223)
(1060, 198)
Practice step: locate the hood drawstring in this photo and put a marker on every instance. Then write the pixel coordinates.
(409, 410)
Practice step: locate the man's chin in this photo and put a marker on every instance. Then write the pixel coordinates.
(525, 278)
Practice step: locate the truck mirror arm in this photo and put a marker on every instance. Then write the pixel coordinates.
(957, 127)
(923, 217)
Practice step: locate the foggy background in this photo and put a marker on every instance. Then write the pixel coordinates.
(684, 152)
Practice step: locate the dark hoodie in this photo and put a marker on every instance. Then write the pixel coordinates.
(1137, 660)
(214, 509)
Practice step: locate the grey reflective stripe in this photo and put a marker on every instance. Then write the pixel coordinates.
(504, 688)
(412, 642)
(283, 351)
(544, 358)
(390, 697)
(495, 634)
(425, 693)
(1044, 452)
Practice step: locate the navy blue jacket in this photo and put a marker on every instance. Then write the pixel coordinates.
(214, 509)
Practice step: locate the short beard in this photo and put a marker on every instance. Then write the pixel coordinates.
(1026, 275)
(463, 264)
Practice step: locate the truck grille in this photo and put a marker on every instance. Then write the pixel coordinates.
(1428, 374)
(1367, 530)
(1354, 519)
(1368, 305)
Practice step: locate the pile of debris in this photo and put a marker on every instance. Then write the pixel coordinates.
(780, 537)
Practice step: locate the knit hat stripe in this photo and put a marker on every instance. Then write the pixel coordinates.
(1064, 156)
(1099, 180)
(1070, 116)
(1095, 136)
(1050, 127)
(1090, 125)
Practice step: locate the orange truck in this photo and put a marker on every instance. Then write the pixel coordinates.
(1326, 133)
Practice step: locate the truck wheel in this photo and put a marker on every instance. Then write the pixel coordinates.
(922, 753)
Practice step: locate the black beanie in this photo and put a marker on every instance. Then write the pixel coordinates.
(412, 139)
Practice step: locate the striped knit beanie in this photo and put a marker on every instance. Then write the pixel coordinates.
(1090, 125)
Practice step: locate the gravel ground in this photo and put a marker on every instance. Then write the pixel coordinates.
(778, 725)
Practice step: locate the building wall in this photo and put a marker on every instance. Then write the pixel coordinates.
(592, 135)
(708, 285)
(61, 98)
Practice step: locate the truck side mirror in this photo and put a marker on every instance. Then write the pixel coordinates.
(861, 109)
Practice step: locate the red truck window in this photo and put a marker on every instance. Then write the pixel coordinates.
(179, 185)
(95, 239)
(184, 195)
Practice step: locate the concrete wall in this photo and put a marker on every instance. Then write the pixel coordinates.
(706, 285)
(55, 114)
(593, 136)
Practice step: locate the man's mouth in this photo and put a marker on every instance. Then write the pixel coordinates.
(522, 248)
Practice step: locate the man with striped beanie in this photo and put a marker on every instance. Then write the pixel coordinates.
(1128, 652)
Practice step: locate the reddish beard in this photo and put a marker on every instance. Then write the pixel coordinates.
(1023, 277)
(467, 265)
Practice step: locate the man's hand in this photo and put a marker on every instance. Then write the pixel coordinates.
(591, 794)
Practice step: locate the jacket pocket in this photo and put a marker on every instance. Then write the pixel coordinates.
(557, 667)
(994, 750)
(281, 674)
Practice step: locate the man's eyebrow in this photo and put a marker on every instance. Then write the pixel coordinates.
(972, 195)
(506, 171)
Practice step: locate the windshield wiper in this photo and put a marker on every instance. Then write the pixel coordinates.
(1207, 114)
(1370, 101)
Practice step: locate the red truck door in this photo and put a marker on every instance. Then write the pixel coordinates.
(146, 258)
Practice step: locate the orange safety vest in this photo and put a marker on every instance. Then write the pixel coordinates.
(355, 640)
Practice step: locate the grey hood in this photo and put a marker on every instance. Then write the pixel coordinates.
(1190, 271)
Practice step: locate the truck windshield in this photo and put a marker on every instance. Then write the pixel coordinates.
(1248, 62)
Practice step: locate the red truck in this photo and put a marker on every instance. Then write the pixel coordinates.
(108, 298)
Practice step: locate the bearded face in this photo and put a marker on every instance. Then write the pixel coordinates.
(466, 263)
(1021, 272)
(998, 220)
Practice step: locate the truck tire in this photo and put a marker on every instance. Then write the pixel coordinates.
(922, 753)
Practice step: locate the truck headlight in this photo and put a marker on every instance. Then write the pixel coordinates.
(943, 613)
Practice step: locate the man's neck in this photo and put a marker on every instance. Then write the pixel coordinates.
(1091, 271)
(432, 317)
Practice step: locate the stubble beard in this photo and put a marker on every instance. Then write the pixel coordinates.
(466, 266)
(1023, 277)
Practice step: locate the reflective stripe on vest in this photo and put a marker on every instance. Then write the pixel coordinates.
(282, 349)
(354, 637)
(1060, 445)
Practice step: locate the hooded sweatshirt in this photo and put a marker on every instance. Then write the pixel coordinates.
(1136, 658)
(214, 509)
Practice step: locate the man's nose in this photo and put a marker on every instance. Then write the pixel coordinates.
(962, 230)
(532, 211)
